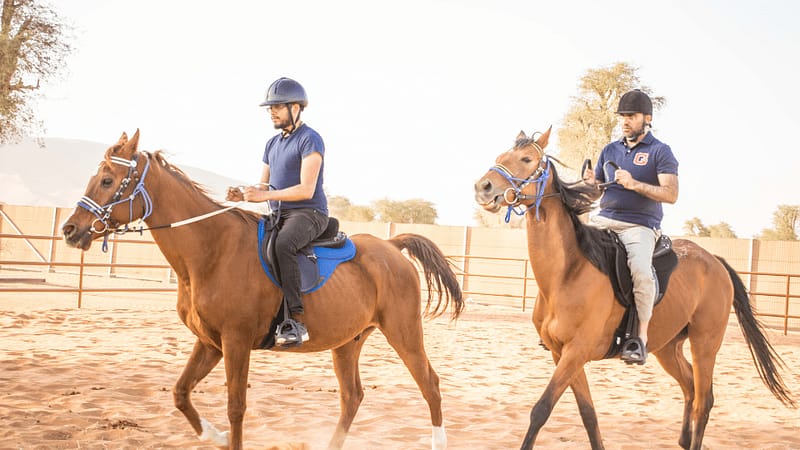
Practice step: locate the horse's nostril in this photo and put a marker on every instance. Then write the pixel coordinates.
(483, 185)
(67, 230)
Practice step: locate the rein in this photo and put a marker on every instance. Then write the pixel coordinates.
(103, 213)
(539, 177)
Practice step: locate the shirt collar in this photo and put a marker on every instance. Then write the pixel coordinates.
(284, 134)
(647, 139)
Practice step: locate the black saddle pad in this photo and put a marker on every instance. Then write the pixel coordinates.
(664, 262)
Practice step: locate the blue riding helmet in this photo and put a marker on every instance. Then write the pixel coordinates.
(285, 90)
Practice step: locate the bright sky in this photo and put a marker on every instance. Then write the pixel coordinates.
(416, 98)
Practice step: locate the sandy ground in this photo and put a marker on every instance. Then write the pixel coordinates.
(101, 377)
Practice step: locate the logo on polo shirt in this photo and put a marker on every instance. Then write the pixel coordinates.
(640, 159)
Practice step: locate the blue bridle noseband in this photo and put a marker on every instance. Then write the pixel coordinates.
(539, 178)
(103, 213)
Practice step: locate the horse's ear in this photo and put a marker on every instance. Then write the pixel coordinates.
(544, 138)
(521, 135)
(130, 147)
(123, 139)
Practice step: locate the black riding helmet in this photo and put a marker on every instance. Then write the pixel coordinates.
(635, 101)
(285, 90)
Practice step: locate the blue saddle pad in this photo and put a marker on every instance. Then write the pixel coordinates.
(314, 272)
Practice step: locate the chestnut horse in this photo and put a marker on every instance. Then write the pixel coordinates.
(576, 313)
(227, 301)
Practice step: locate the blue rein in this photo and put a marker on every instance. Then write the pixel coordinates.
(539, 177)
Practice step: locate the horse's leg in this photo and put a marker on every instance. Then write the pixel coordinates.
(567, 368)
(351, 393)
(704, 355)
(583, 396)
(674, 363)
(580, 388)
(407, 340)
(202, 360)
(236, 350)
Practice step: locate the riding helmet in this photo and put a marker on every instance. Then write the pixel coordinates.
(285, 90)
(635, 101)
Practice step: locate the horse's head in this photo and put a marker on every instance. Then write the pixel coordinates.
(518, 176)
(118, 181)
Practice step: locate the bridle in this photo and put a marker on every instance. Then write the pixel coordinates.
(103, 213)
(514, 196)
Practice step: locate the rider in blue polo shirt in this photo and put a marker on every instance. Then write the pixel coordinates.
(645, 173)
(292, 175)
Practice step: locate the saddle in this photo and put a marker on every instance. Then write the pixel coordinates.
(664, 262)
(316, 261)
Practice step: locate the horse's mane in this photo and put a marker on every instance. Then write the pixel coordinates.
(578, 198)
(159, 158)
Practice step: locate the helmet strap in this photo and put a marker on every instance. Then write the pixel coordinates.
(635, 137)
(292, 119)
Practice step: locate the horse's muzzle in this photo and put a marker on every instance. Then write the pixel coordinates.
(77, 237)
(488, 196)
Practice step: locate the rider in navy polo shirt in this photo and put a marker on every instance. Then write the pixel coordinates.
(646, 175)
(292, 175)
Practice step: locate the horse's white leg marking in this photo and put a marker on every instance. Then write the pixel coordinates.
(210, 433)
(439, 438)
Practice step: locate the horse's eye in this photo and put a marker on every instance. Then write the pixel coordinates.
(107, 182)
(526, 160)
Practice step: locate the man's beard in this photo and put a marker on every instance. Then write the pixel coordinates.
(635, 133)
(282, 124)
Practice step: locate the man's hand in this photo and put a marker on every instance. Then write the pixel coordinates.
(625, 179)
(234, 194)
(588, 176)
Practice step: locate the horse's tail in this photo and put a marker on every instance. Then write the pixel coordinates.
(764, 355)
(438, 273)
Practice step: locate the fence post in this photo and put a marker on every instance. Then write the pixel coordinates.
(786, 309)
(53, 232)
(524, 284)
(464, 252)
(80, 283)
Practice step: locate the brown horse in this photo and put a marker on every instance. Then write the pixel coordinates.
(226, 300)
(576, 313)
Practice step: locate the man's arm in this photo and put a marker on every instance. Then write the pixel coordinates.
(666, 192)
(309, 172)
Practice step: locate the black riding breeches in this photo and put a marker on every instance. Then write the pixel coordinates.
(298, 227)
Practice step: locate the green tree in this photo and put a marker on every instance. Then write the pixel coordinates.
(785, 221)
(34, 43)
(341, 208)
(408, 211)
(361, 213)
(721, 230)
(695, 227)
(590, 122)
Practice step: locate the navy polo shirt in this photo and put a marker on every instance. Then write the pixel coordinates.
(645, 162)
(284, 156)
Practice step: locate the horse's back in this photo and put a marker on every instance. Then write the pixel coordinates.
(700, 290)
(382, 259)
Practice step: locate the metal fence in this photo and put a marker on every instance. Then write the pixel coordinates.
(517, 287)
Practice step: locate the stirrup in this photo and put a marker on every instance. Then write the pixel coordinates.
(291, 333)
(634, 351)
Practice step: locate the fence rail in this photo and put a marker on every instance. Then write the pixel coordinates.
(524, 280)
